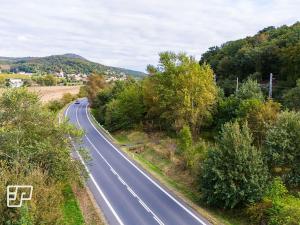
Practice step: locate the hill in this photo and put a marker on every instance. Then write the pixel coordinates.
(69, 63)
(271, 50)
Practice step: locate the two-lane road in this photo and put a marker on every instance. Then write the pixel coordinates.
(126, 193)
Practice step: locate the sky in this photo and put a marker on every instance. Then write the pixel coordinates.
(131, 33)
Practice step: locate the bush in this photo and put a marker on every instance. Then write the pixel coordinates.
(292, 97)
(250, 89)
(282, 150)
(233, 173)
(261, 118)
(126, 110)
(195, 156)
(55, 105)
(82, 92)
(185, 140)
(45, 205)
(67, 98)
(277, 207)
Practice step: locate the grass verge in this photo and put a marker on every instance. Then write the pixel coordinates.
(71, 211)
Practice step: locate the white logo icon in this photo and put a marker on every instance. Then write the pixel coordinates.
(16, 194)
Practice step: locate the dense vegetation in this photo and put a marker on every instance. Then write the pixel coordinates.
(271, 50)
(69, 63)
(35, 150)
(249, 156)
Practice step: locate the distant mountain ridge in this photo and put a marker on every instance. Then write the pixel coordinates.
(68, 63)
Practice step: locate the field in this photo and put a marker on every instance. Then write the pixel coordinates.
(49, 93)
(54, 92)
(4, 76)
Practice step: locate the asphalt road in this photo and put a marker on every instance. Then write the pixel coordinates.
(126, 193)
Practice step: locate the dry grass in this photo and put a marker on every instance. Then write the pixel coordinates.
(91, 213)
(52, 92)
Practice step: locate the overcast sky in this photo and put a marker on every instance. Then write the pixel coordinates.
(130, 33)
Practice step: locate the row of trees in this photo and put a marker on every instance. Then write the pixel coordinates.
(35, 150)
(254, 156)
(178, 92)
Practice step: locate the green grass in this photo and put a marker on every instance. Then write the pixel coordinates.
(121, 138)
(173, 183)
(71, 210)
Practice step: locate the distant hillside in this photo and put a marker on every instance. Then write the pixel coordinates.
(271, 50)
(69, 63)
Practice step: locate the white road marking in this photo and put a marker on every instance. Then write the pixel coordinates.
(158, 220)
(128, 188)
(112, 170)
(122, 181)
(98, 188)
(144, 205)
(132, 192)
(150, 179)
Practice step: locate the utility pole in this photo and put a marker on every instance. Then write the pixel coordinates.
(270, 85)
(237, 84)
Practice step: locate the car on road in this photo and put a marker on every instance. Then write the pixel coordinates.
(77, 102)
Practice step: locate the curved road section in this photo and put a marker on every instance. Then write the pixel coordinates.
(126, 193)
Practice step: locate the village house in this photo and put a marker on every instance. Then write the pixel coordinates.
(15, 83)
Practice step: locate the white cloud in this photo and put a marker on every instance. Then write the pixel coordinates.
(131, 33)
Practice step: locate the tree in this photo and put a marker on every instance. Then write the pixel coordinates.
(35, 150)
(67, 97)
(250, 89)
(179, 92)
(82, 92)
(273, 50)
(292, 98)
(126, 110)
(282, 150)
(49, 80)
(261, 118)
(30, 133)
(233, 173)
(95, 83)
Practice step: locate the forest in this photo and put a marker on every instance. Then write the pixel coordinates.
(242, 148)
(68, 63)
(271, 50)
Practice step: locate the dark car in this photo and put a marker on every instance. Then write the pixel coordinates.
(77, 102)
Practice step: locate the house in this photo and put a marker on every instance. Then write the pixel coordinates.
(24, 73)
(15, 83)
(60, 74)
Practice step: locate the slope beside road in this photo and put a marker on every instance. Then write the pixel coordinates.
(126, 194)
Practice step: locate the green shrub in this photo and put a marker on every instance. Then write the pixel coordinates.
(195, 156)
(250, 89)
(292, 97)
(67, 98)
(185, 140)
(233, 173)
(126, 110)
(55, 105)
(277, 207)
(282, 151)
